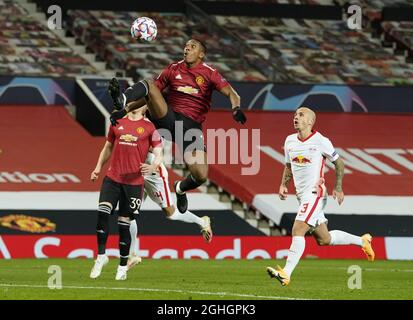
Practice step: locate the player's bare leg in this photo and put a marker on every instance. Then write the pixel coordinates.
(322, 235)
(297, 247)
(198, 167)
(338, 237)
(189, 217)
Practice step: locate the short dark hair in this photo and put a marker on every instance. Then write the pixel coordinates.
(204, 48)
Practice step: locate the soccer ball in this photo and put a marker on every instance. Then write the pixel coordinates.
(144, 29)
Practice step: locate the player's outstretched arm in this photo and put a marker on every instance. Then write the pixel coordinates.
(338, 187)
(103, 158)
(235, 99)
(285, 180)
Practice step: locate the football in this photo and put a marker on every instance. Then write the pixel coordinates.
(144, 29)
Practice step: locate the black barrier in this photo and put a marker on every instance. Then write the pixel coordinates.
(254, 9)
(397, 13)
(378, 225)
(88, 115)
(149, 222)
(142, 6)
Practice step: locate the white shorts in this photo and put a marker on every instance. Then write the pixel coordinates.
(157, 188)
(311, 210)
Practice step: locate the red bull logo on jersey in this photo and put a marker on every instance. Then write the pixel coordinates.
(300, 159)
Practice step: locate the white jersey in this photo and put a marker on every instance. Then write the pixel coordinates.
(307, 159)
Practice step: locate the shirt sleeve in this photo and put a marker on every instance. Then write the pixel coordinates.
(218, 81)
(286, 155)
(162, 81)
(328, 150)
(111, 135)
(155, 139)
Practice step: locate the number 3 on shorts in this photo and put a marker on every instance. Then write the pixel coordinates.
(135, 203)
(304, 209)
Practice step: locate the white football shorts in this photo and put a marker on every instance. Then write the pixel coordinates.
(311, 210)
(157, 188)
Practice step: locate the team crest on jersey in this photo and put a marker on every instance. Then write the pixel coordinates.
(128, 138)
(300, 159)
(27, 223)
(200, 80)
(140, 130)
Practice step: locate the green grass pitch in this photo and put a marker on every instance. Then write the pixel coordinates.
(205, 279)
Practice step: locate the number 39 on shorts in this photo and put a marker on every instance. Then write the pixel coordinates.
(135, 203)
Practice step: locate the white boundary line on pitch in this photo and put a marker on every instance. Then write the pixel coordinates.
(240, 295)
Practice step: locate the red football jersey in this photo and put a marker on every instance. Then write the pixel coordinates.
(131, 140)
(190, 89)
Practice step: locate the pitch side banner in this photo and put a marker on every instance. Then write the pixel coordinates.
(189, 247)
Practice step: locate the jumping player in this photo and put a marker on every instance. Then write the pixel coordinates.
(190, 83)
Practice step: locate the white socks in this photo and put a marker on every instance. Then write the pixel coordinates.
(297, 247)
(296, 250)
(133, 229)
(187, 216)
(339, 237)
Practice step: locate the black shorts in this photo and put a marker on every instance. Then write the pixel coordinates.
(129, 196)
(185, 132)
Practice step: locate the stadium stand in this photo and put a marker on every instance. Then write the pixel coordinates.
(107, 34)
(304, 51)
(30, 48)
(400, 36)
(296, 2)
(314, 51)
